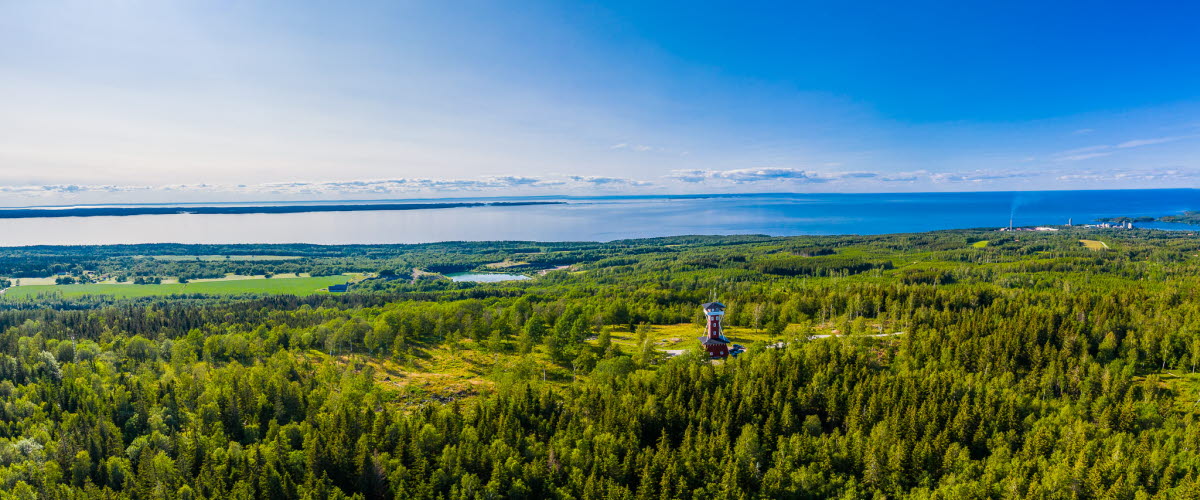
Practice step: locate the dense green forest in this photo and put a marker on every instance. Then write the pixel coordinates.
(1015, 365)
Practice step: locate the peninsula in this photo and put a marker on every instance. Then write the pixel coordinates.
(1188, 217)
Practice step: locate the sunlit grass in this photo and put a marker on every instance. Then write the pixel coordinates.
(1186, 387)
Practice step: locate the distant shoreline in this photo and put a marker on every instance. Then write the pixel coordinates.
(30, 213)
(1189, 217)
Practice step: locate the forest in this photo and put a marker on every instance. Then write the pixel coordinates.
(951, 365)
(1187, 217)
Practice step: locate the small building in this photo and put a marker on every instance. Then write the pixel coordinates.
(339, 288)
(714, 340)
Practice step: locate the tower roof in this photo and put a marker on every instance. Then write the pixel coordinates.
(708, 306)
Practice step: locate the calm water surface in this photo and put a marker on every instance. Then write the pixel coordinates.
(603, 219)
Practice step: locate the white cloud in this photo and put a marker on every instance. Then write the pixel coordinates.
(1088, 149)
(1146, 142)
(401, 185)
(1102, 150)
(634, 147)
(596, 180)
(766, 174)
(689, 175)
(746, 175)
(369, 187)
(900, 178)
(1083, 156)
(679, 181)
(1137, 175)
(60, 189)
(980, 176)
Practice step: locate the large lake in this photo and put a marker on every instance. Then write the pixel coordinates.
(609, 218)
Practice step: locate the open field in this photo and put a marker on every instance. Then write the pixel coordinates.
(504, 264)
(1094, 244)
(980, 244)
(34, 281)
(294, 286)
(235, 277)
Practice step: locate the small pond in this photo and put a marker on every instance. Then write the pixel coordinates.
(486, 277)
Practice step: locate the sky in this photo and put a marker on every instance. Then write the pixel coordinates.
(106, 101)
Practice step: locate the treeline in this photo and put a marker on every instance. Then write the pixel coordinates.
(177, 260)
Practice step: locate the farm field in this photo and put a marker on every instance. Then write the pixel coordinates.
(293, 286)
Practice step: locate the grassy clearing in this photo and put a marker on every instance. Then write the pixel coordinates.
(1094, 244)
(436, 372)
(504, 264)
(468, 369)
(443, 372)
(980, 244)
(234, 277)
(1186, 387)
(34, 281)
(294, 286)
(684, 336)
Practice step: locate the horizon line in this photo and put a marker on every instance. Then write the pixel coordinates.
(252, 203)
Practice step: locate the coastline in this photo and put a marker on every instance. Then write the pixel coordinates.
(38, 213)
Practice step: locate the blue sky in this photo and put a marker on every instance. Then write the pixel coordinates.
(128, 100)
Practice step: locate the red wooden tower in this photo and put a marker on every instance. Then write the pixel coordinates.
(714, 340)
